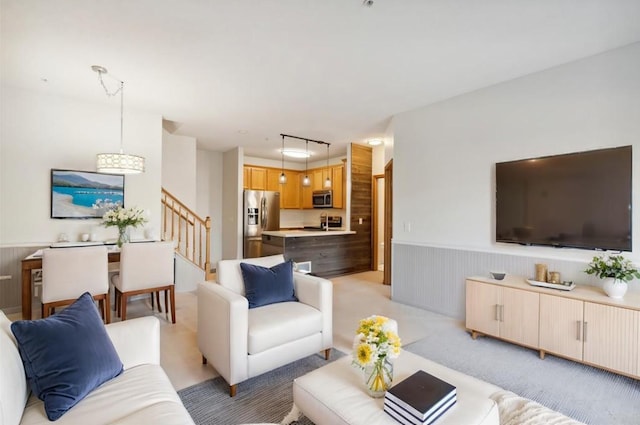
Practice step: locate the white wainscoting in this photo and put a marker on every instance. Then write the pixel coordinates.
(433, 278)
(11, 265)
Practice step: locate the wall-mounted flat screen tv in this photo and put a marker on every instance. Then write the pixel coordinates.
(580, 200)
(84, 194)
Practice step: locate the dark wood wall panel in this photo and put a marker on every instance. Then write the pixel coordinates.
(329, 255)
(361, 198)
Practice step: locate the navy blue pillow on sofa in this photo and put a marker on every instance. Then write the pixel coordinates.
(264, 285)
(67, 355)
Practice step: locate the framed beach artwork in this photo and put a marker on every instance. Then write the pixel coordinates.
(84, 194)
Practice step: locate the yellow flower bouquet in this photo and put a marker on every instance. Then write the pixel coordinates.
(376, 343)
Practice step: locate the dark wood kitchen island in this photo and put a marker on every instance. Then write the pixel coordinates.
(331, 253)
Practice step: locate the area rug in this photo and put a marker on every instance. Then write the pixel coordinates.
(582, 392)
(264, 399)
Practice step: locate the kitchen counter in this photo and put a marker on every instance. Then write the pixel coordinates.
(297, 233)
(331, 253)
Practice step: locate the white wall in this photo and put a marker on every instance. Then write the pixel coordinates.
(209, 197)
(39, 132)
(388, 141)
(444, 161)
(179, 167)
(232, 163)
(291, 165)
(377, 160)
(445, 153)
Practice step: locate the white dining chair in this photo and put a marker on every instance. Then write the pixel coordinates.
(146, 267)
(68, 273)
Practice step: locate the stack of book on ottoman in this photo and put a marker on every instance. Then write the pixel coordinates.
(420, 399)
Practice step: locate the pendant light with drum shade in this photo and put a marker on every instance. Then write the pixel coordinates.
(283, 177)
(117, 163)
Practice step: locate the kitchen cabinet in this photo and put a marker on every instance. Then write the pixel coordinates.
(317, 181)
(290, 191)
(254, 178)
(292, 194)
(506, 313)
(317, 177)
(337, 185)
(273, 179)
(601, 335)
(262, 178)
(307, 191)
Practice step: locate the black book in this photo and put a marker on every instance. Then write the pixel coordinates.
(405, 418)
(421, 394)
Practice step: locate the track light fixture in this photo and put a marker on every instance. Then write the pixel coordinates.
(306, 181)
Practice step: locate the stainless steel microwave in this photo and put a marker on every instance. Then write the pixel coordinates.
(322, 199)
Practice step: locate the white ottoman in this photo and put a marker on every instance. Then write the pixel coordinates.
(334, 394)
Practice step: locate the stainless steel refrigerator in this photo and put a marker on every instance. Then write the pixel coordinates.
(261, 212)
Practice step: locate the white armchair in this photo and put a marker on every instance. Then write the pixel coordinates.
(241, 343)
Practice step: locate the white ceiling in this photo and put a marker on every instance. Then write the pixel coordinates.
(240, 72)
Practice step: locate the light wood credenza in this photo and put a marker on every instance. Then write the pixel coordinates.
(583, 325)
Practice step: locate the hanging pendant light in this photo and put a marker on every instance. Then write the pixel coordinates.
(327, 182)
(117, 163)
(283, 178)
(306, 181)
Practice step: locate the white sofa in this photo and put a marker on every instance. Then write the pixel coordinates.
(141, 394)
(241, 343)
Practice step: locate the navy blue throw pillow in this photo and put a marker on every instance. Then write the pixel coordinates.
(67, 355)
(264, 285)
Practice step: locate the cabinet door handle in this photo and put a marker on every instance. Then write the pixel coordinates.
(497, 312)
(584, 337)
(578, 329)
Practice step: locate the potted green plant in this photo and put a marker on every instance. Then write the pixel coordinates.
(615, 271)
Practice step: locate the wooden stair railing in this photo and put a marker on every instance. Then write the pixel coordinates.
(191, 233)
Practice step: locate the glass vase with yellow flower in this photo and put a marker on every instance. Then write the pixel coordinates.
(375, 346)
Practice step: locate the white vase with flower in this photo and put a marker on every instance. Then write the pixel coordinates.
(375, 346)
(615, 271)
(123, 218)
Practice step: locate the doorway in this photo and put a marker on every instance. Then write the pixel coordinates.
(388, 221)
(382, 199)
(377, 240)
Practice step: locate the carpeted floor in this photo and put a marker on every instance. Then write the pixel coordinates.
(582, 392)
(265, 398)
